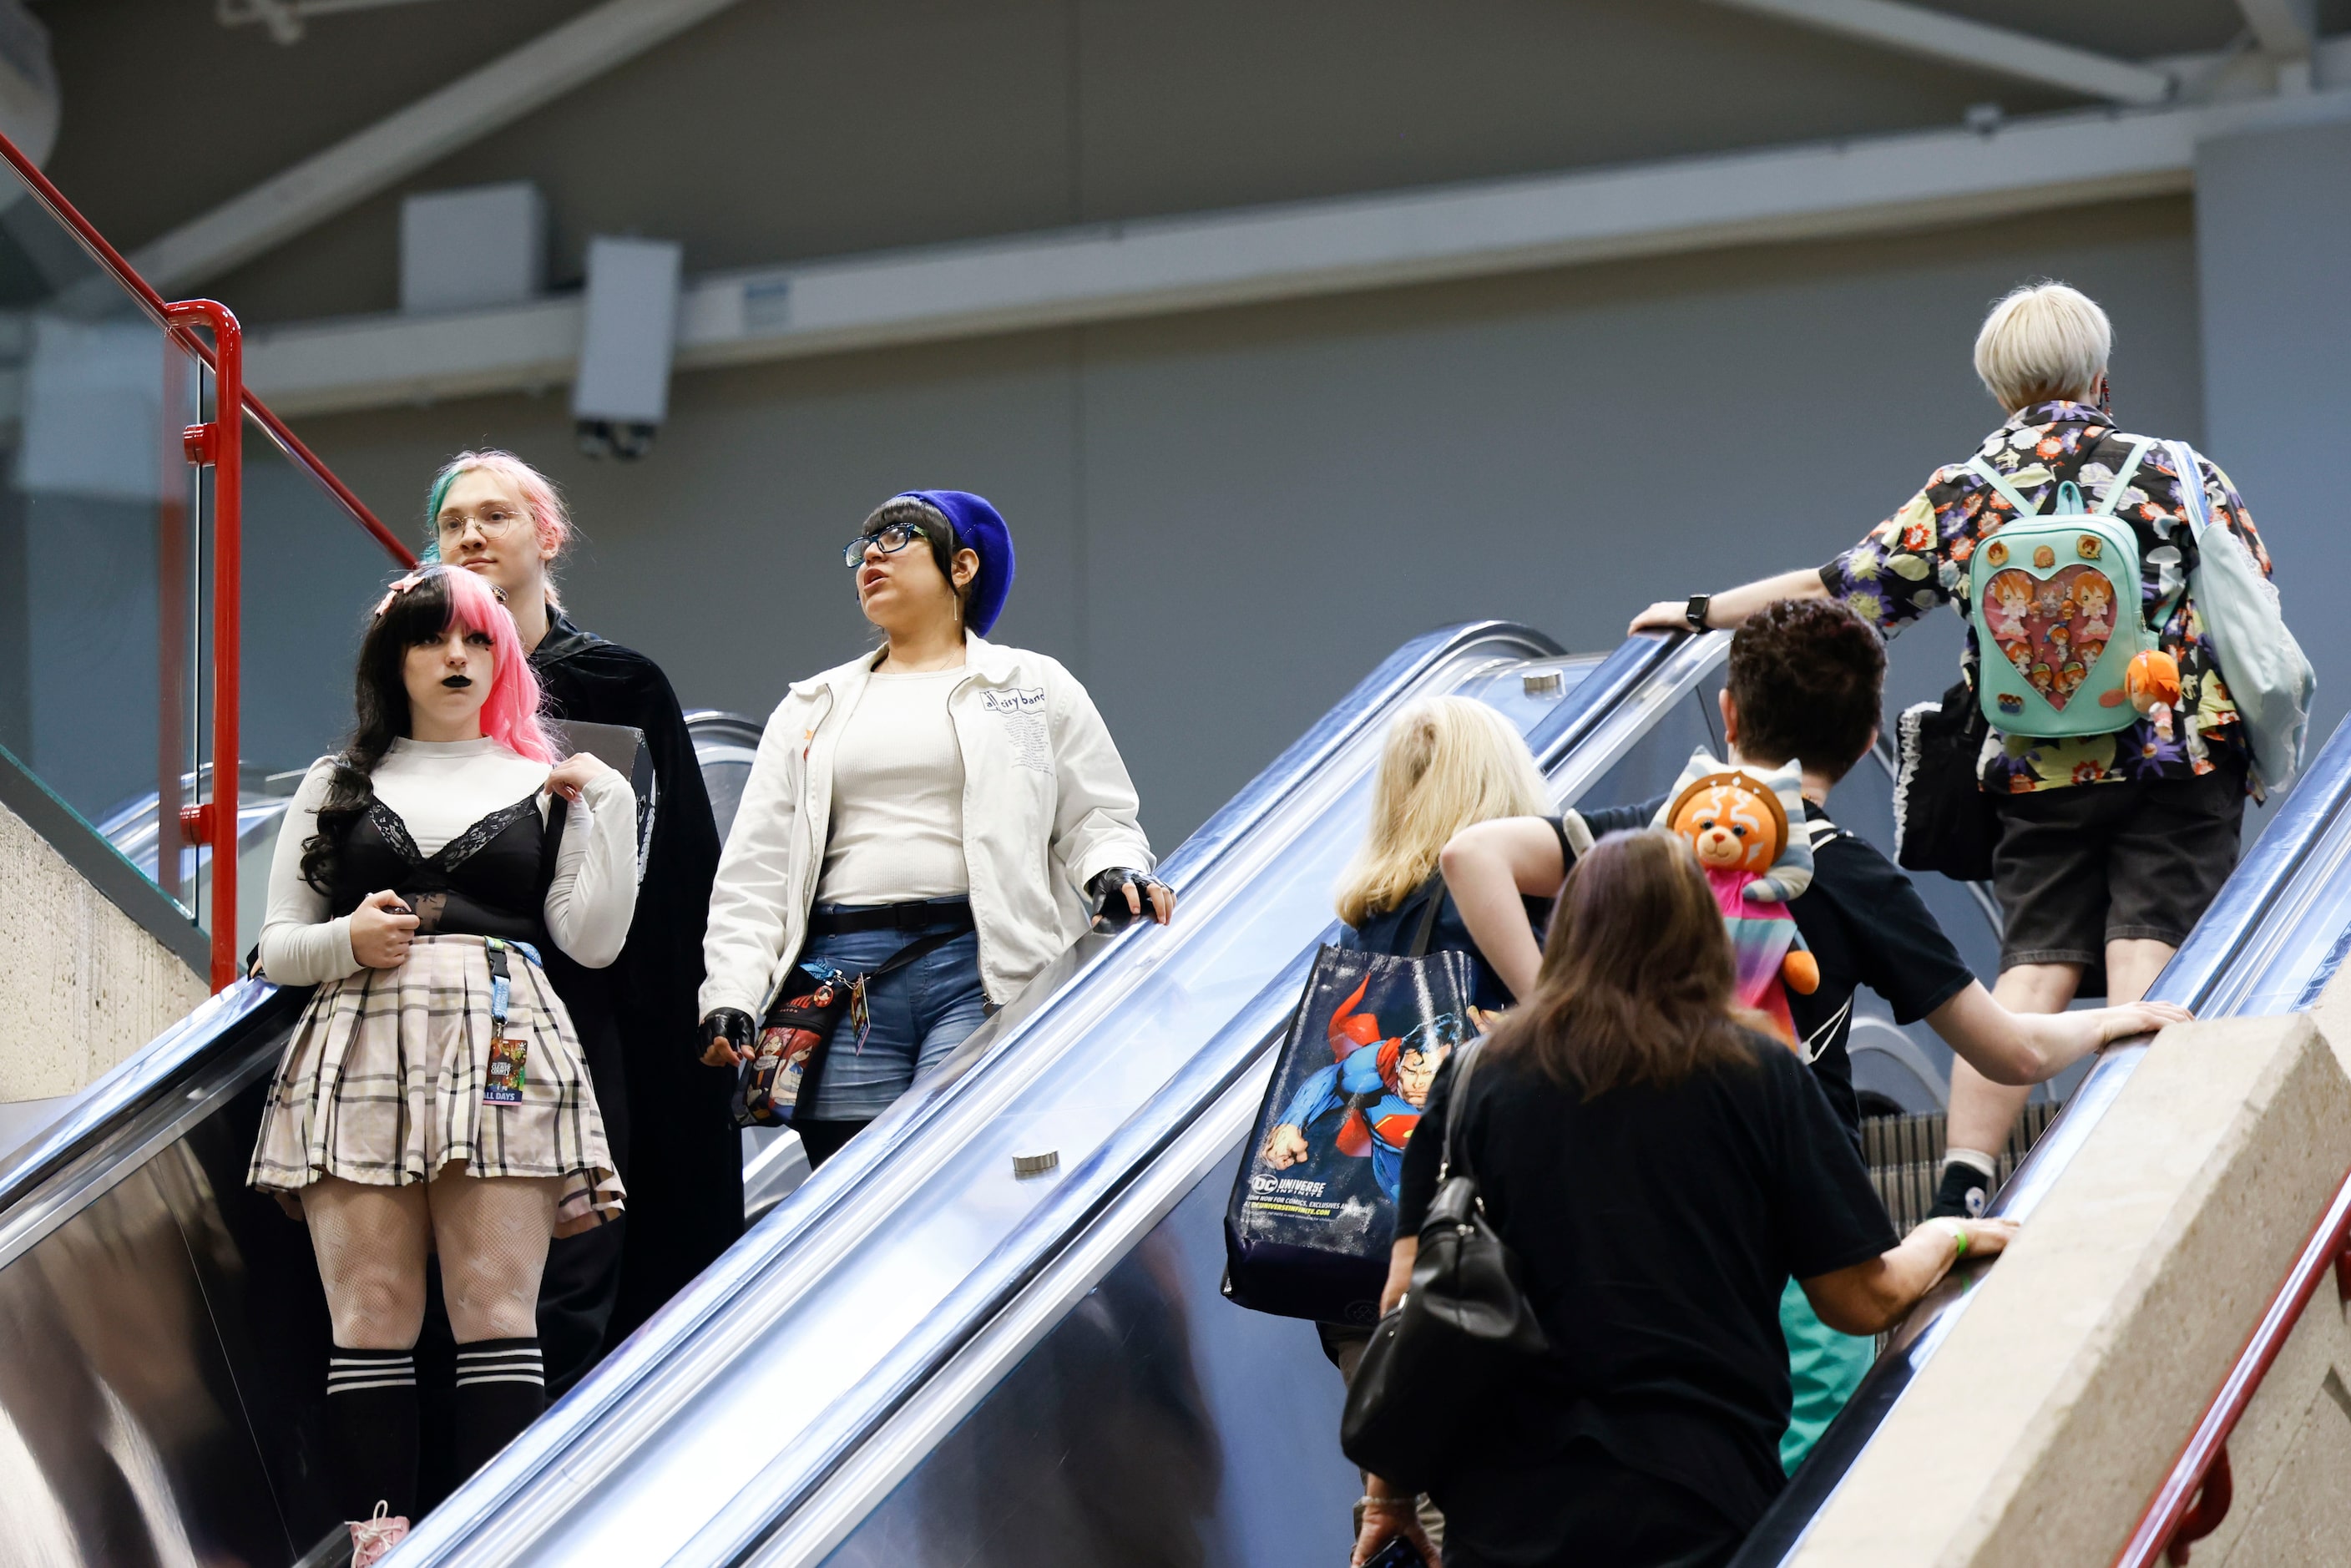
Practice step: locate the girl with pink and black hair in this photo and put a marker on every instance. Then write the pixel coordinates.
(433, 1095)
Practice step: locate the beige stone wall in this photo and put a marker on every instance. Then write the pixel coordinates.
(82, 986)
(2044, 1423)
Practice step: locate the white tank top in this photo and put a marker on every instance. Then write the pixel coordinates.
(897, 796)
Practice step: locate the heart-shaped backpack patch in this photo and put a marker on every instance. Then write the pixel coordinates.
(2053, 629)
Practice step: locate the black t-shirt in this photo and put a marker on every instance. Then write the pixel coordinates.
(1655, 1229)
(1867, 926)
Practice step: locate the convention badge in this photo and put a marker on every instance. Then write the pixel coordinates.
(859, 1018)
(502, 1081)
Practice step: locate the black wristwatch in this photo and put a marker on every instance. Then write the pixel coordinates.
(1695, 611)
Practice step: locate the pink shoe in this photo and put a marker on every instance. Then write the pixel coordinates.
(371, 1538)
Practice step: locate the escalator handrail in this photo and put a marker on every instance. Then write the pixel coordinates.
(157, 1073)
(2194, 976)
(1095, 1184)
(480, 1500)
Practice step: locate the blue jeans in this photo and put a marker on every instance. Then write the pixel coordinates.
(918, 1014)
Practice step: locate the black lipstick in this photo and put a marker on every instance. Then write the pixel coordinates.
(456, 683)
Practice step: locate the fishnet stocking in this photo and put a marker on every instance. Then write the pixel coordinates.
(492, 1233)
(370, 1243)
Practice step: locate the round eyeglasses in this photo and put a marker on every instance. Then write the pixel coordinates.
(494, 525)
(890, 539)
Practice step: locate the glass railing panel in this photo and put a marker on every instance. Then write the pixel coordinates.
(105, 536)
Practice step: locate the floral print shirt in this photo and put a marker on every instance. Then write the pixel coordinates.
(1918, 559)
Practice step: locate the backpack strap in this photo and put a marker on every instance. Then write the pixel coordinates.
(2125, 475)
(2191, 488)
(1999, 481)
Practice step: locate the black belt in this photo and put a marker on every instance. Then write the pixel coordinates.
(945, 916)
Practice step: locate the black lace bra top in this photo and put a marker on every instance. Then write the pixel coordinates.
(489, 880)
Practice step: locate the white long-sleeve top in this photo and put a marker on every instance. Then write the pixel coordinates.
(439, 789)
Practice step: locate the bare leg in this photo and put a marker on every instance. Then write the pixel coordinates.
(371, 1245)
(493, 1233)
(2132, 966)
(1983, 1113)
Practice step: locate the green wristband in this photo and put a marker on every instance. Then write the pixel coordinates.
(1958, 1234)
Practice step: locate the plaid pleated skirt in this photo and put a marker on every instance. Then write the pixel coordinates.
(382, 1084)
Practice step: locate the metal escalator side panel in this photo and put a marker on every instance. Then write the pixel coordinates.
(159, 1072)
(2269, 940)
(929, 1153)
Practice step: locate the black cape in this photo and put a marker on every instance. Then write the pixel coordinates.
(684, 1170)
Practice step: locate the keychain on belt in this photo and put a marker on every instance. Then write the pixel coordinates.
(502, 1082)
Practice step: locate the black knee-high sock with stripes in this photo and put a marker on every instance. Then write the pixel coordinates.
(372, 1430)
(501, 1389)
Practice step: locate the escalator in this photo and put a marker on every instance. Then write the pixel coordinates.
(918, 1338)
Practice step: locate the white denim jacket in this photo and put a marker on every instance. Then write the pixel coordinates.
(1046, 806)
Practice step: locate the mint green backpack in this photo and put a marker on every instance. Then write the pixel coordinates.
(2055, 605)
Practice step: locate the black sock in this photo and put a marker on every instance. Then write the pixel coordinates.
(1962, 1193)
(501, 1389)
(372, 1430)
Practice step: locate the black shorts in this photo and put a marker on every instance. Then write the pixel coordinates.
(2087, 864)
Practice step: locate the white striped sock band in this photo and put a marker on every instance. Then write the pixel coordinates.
(349, 1373)
(515, 1363)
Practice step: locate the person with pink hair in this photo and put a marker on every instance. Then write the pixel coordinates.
(666, 1115)
(433, 1095)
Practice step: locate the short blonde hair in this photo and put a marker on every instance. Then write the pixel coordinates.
(1448, 763)
(2042, 341)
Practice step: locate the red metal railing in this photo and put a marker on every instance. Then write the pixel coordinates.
(218, 444)
(2194, 1496)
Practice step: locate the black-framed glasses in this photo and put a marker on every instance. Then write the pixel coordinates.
(890, 536)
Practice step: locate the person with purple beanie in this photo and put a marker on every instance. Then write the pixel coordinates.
(928, 825)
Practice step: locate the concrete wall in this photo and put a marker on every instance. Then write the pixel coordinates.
(2273, 221)
(84, 985)
(1226, 518)
(2054, 1410)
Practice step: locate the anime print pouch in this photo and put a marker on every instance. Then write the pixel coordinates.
(789, 1054)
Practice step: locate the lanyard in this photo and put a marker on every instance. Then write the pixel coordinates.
(502, 1082)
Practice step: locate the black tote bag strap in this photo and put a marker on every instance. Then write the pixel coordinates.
(1433, 890)
(1465, 1061)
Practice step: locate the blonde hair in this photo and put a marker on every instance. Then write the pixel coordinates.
(2043, 341)
(1448, 763)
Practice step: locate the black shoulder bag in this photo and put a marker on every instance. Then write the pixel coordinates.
(1943, 821)
(1463, 1333)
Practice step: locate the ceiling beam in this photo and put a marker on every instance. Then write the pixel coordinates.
(2288, 27)
(394, 148)
(1995, 51)
(1068, 278)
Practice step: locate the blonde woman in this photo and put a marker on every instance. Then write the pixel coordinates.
(1448, 763)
